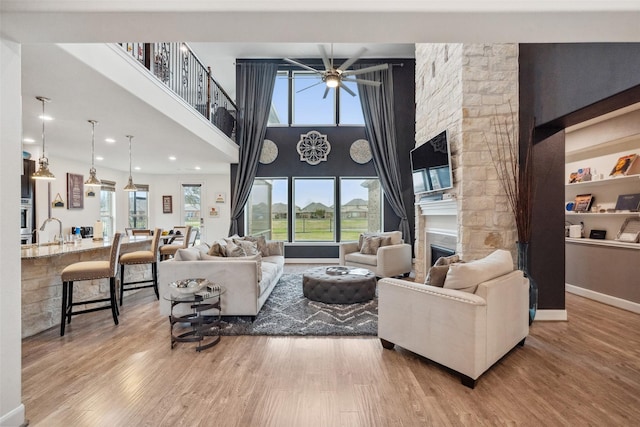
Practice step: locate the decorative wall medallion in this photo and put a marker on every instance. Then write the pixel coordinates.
(360, 151)
(313, 147)
(269, 152)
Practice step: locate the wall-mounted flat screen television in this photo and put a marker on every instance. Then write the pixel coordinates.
(431, 165)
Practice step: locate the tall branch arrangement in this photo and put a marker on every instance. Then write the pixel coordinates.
(516, 177)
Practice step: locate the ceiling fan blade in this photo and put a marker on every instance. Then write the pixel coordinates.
(346, 64)
(363, 81)
(349, 91)
(309, 87)
(301, 65)
(325, 58)
(366, 70)
(326, 92)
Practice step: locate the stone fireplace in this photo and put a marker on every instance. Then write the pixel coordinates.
(463, 88)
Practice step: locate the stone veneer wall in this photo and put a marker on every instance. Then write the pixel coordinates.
(460, 88)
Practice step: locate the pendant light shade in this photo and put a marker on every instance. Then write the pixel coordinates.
(130, 186)
(93, 181)
(43, 171)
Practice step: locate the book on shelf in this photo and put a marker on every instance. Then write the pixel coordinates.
(625, 165)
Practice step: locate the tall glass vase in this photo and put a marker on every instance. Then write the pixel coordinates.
(523, 264)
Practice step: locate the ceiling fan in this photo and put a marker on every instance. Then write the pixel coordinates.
(334, 76)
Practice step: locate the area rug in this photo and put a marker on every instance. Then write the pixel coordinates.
(288, 312)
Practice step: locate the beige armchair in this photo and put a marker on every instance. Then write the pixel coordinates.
(467, 332)
(390, 260)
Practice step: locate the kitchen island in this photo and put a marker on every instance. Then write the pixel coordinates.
(42, 286)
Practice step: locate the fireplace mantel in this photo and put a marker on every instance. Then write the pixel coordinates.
(447, 207)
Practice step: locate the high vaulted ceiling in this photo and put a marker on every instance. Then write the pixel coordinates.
(224, 30)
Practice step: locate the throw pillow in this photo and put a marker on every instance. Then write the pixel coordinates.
(467, 276)
(190, 254)
(249, 248)
(370, 245)
(216, 249)
(437, 275)
(232, 249)
(447, 260)
(261, 244)
(385, 241)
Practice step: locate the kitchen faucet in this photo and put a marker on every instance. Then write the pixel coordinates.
(48, 220)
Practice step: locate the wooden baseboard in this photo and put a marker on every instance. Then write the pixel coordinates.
(604, 298)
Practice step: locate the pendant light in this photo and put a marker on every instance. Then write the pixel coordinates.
(130, 186)
(93, 181)
(43, 171)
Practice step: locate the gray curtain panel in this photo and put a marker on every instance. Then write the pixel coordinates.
(255, 90)
(378, 110)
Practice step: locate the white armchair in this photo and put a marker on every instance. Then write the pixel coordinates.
(467, 332)
(388, 261)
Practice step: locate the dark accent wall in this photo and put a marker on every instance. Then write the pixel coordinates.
(561, 85)
(339, 163)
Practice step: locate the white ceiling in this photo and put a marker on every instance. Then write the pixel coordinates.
(222, 31)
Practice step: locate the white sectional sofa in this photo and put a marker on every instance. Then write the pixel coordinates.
(248, 281)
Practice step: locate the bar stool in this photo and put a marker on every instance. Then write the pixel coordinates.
(167, 251)
(141, 257)
(90, 270)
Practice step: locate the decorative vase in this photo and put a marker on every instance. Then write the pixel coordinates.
(523, 264)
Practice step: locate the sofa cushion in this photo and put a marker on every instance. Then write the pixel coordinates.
(467, 276)
(446, 260)
(394, 238)
(278, 260)
(269, 273)
(257, 258)
(361, 258)
(437, 275)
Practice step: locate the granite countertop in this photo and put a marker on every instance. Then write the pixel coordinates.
(50, 249)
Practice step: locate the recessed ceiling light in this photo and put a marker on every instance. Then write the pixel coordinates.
(109, 140)
(47, 118)
(197, 168)
(172, 158)
(137, 168)
(29, 140)
(99, 158)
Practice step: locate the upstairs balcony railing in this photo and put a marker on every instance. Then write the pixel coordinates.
(179, 68)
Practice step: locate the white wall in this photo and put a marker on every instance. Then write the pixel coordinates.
(159, 185)
(11, 407)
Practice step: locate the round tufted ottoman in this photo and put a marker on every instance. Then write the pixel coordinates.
(318, 285)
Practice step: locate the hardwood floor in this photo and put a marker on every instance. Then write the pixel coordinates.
(582, 372)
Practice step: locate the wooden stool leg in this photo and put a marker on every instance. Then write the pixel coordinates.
(69, 301)
(121, 283)
(114, 302)
(63, 313)
(154, 272)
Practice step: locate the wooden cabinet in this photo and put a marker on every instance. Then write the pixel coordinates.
(27, 185)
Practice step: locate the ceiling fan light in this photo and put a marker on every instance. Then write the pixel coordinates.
(332, 81)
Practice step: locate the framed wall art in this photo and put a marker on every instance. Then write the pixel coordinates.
(167, 204)
(75, 191)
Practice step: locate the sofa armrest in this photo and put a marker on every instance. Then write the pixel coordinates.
(394, 260)
(507, 299)
(347, 248)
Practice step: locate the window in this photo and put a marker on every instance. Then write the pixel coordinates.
(314, 201)
(309, 108)
(360, 207)
(279, 113)
(267, 211)
(350, 108)
(108, 208)
(191, 205)
(139, 207)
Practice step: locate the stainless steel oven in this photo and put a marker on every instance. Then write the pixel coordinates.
(26, 219)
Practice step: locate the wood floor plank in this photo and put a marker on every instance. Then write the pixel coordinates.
(585, 371)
